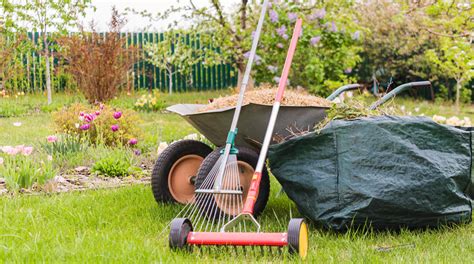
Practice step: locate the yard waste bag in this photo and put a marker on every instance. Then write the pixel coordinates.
(386, 172)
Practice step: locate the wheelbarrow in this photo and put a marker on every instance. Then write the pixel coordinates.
(175, 171)
(184, 163)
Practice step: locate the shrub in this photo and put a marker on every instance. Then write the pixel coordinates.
(150, 102)
(116, 163)
(21, 171)
(99, 64)
(99, 125)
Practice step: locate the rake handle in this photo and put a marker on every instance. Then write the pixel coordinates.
(255, 183)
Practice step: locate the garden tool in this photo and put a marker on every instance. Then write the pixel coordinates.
(182, 234)
(218, 197)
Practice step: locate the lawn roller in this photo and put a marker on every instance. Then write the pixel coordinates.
(222, 188)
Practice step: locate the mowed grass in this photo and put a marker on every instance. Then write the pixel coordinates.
(127, 225)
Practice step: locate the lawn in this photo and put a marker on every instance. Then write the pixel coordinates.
(127, 225)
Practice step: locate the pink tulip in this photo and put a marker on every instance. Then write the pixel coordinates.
(26, 151)
(117, 115)
(114, 128)
(52, 139)
(81, 114)
(97, 113)
(133, 141)
(10, 150)
(85, 127)
(89, 118)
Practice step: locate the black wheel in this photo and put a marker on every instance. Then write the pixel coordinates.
(247, 161)
(298, 237)
(180, 228)
(174, 173)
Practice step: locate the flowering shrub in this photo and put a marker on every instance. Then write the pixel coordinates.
(150, 102)
(99, 125)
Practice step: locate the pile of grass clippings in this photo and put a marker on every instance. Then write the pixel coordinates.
(266, 96)
(352, 110)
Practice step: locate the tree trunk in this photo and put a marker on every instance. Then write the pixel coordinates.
(48, 67)
(243, 14)
(458, 93)
(240, 78)
(170, 76)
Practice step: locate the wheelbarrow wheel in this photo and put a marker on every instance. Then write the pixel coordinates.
(175, 170)
(298, 237)
(247, 161)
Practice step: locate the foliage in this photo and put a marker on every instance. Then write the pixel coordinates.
(413, 40)
(99, 64)
(175, 56)
(94, 124)
(64, 145)
(327, 50)
(44, 16)
(21, 171)
(150, 102)
(117, 163)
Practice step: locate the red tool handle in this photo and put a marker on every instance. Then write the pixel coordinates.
(257, 176)
(289, 59)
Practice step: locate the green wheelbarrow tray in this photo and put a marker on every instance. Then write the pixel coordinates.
(214, 124)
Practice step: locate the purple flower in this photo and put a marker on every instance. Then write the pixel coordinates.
(285, 36)
(333, 27)
(276, 79)
(281, 31)
(85, 127)
(356, 35)
(133, 141)
(315, 40)
(257, 58)
(81, 114)
(117, 115)
(114, 128)
(348, 70)
(280, 46)
(292, 17)
(97, 113)
(318, 14)
(272, 68)
(273, 16)
(137, 152)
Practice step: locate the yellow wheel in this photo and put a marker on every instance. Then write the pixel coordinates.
(298, 237)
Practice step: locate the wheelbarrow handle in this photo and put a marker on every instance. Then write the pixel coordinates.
(398, 90)
(342, 89)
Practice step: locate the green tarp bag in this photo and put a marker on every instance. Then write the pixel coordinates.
(386, 172)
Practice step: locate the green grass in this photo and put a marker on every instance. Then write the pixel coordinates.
(126, 225)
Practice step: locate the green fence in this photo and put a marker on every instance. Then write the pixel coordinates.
(144, 75)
